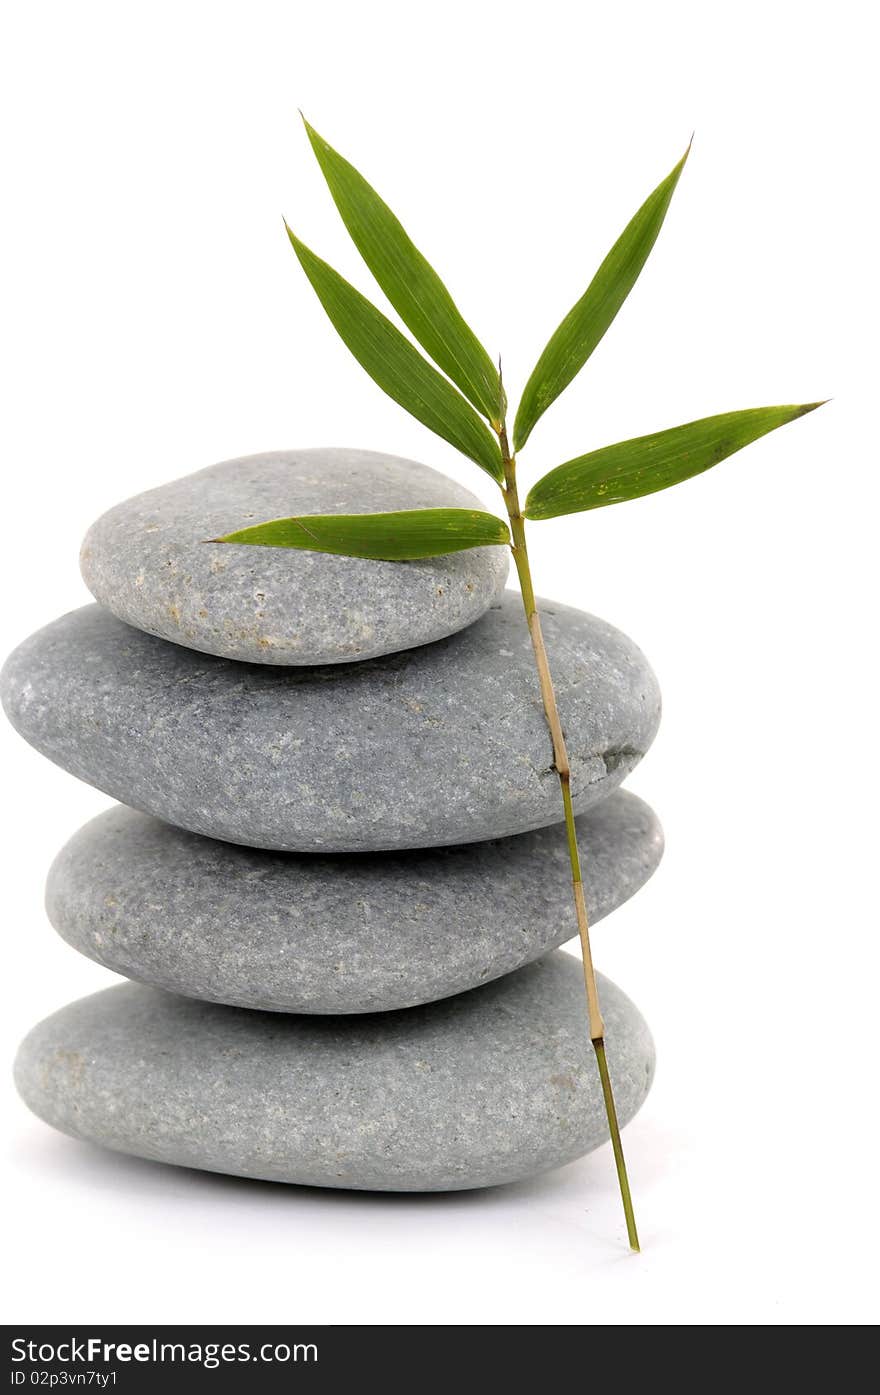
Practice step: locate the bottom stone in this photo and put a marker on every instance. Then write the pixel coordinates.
(491, 1086)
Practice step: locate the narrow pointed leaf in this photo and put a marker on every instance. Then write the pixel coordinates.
(572, 343)
(650, 463)
(397, 367)
(410, 282)
(389, 537)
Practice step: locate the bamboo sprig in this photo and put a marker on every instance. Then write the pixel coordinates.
(453, 405)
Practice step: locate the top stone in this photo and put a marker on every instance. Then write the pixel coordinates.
(148, 562)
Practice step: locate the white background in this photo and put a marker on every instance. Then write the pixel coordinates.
(155, 321)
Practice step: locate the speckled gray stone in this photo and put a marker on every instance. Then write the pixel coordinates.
(147, 561)
(490, 1086)
(295, 932)
(442, 744)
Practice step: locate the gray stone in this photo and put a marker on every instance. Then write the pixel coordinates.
(490, 1086)
(147, 561)
(442, 744)
(295, 932)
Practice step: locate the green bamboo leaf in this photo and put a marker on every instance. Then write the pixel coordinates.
(647, 464)
(388, 537)
(397, 367)
(572, 343)
(410, 282)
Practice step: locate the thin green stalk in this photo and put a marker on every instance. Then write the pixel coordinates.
(563, 769)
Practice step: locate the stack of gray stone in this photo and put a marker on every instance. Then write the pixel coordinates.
(337, 873)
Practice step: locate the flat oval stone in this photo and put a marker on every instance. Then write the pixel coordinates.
(297, 932)
(437, 745)
(487, 1087)
(147, 561)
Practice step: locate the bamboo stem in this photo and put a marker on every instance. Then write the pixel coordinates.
(563, 770)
